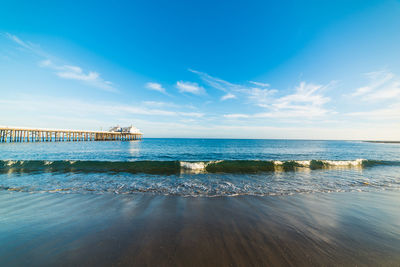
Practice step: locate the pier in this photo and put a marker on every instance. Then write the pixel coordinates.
(10, 135)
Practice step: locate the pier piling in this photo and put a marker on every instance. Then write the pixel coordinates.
(9, 134)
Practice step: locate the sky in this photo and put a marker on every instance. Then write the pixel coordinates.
(204, 69)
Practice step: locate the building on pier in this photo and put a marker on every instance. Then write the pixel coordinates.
(130, 129)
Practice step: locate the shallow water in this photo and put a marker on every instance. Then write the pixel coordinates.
(200, 150)
(200, 167)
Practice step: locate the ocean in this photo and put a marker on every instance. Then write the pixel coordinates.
(200, 167)
(200, 202)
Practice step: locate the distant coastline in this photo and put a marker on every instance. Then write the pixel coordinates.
(383, 142)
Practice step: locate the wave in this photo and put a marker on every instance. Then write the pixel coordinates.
(176, 167)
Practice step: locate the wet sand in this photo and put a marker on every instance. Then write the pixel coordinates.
(55, 229)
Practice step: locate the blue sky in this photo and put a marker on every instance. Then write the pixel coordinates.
(226, 69)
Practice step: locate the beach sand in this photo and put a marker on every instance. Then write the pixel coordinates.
(60, 229)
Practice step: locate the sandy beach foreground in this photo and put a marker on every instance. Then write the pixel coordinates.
(57, 229)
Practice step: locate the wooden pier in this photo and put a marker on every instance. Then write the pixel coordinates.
(10, 135)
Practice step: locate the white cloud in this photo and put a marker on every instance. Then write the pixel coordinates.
(189, 87)
(216, 82)
(255, 94)
(64, 71)
(17, 40)
(45, 63)
(392, 112)
(76, 73)
(305, 112)
(236, 116)
(156, 87)
(261, 97)
(383, 85)
(306, 102)
(260, 84)
(80, 108)
(306, 97)
(27, 46)
(228, 96)
(191, 114)
(389, 92)
(159, 104)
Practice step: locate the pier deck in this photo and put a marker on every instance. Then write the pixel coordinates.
(11, 134)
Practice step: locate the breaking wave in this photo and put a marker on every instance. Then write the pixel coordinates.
(176, 167)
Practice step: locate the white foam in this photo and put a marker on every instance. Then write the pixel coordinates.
(357, 162)
(196, 166)
(10, 163)
(333, 163)
(305, 163)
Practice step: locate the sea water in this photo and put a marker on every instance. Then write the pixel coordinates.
(200, 167)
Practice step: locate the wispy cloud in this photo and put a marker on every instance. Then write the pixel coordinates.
(78, 107)
(306, 102)
(190, 87)
(308, 96)
(260, 84)
(76, 73)
(228, 96)
(159, 104)
(261, 97)
(236, 116)
(24, 44)
(391, 112)
(216, 83)
(64, 71)
(254, 91)
(156, 87)
(383, 85)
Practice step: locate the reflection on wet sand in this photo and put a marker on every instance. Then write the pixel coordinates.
(140, 229)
